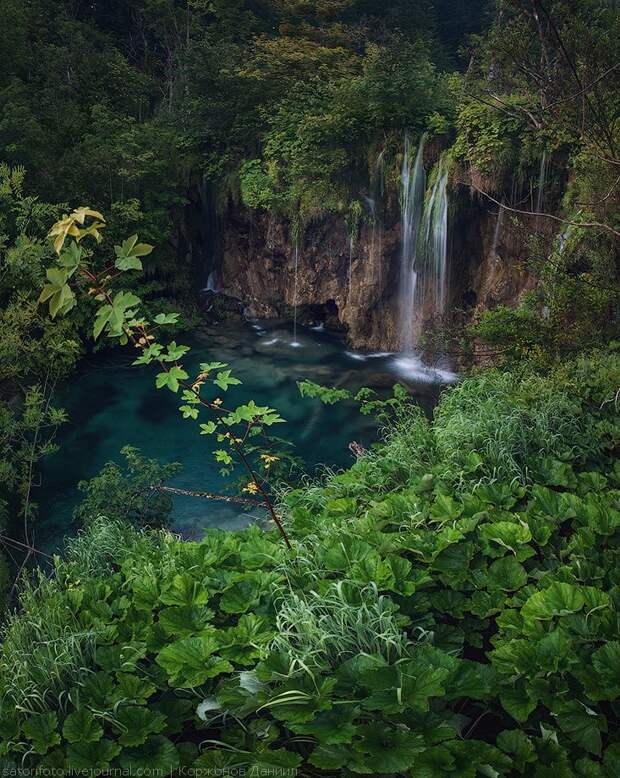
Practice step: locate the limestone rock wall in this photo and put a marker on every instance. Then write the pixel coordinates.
(258, 255)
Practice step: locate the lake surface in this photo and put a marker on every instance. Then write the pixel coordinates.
(112, 404)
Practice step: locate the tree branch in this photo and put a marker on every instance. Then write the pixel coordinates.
(206, 495)
(544, 215)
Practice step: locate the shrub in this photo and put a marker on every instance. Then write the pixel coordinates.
(499, 425)
(128, 495)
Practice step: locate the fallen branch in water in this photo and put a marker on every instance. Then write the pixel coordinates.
(206, 495)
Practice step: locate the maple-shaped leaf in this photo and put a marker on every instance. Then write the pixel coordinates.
(129, 252)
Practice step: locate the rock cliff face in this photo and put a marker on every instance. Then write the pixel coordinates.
(358, 289)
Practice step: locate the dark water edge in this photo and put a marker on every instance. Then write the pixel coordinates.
(112, 404)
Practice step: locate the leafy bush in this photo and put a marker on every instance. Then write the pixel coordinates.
(424, 623)
(501, 425)
(45, 652)
(130, 495)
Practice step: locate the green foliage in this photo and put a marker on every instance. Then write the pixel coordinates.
(536, 131)
(571, 310)
(503, 426)
(436, 622)
(27, 434)
(128, 494)
(143, 93)
(323, 393)
(121, 316)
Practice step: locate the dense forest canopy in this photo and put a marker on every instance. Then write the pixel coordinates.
(117, 103)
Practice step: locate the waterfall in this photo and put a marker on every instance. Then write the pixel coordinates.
(435, 232)
(374, 201)
(211, 282)
(351, 245)
(498, 229)
(295, 341)
(424, 256)
(542, 180)
(413, 183)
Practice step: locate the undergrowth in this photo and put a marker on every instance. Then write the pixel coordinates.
(450, 607)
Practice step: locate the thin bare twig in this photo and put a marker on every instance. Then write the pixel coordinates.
(24, 546)
(544, 215)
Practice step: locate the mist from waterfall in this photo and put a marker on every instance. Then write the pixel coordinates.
(413, 187)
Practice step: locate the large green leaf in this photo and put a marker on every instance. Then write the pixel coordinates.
(82, 727)
(606, 661)
(136, 723)
(330, 728)
(190, 662)
(41, 730)
(184, 620)
(559, 599)
(582, 725)
(410, 685)
(327, 757)
(184, 590)
(245, 642)
(158, 755)
(508, 534)
(519, 746)
(507, 574)
(112, 315)
(88, 756)
(128, 254)
(385, 749)
(171, 378)
(57, 292)
(517, 702)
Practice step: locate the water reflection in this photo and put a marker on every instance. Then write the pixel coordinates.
(112, 404)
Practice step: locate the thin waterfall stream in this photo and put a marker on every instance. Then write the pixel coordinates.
(498, 229)
(351, 247)
(542, 183)
(413, 182)
(435, 231)
(424, 255)
(295, 291)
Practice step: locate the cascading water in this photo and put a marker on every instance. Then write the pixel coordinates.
(374, 202)
(498, 229)
(211, 282)
(542, 180)
(351, 246)
(295, 288)
(413, 183)
(424, 257)
(435, 232)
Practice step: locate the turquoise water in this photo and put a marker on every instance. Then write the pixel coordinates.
(111, 404)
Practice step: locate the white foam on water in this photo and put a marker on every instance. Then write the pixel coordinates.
(411, 367)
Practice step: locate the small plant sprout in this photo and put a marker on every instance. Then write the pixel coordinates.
(121, 316)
